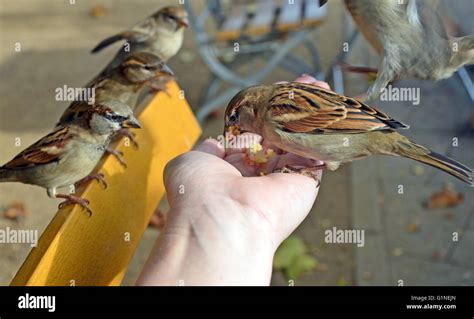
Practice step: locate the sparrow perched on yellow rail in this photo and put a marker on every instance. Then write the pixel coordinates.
(71, 152)
(125, 83)
(161, 34)
(412, 40)
(322, 125)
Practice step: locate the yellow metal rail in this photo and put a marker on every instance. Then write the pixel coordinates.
(76, 249)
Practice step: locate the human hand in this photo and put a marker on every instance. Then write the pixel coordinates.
(226, 221)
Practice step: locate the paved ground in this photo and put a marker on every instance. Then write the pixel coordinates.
(406, 243)
(56, 38)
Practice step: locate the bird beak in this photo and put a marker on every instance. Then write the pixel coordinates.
(165, 71)
(184, 22)
(131, 123)
(232, 130)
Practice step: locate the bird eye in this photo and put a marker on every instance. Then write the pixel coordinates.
(114, 117)
(170, 17)
(233, 118)
(148, 68)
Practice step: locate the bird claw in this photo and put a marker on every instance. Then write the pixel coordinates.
(129, 135)
(310, 172)
(99, 177)
(118, 155)
(74, 200)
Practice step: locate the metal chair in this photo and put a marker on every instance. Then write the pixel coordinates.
(249, 31)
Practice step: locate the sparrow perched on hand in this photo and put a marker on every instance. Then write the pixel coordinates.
(71, 152)
(161, 34)
(411, 38)
(322, 125)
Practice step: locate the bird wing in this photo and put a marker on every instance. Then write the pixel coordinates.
(45, 151)
(304, 108)
(129, 36)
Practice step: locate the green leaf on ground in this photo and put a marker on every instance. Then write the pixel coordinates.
(292, 258)
(342, 282)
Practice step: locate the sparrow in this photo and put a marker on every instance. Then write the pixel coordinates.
(139, 71)
(70, 152)
(125, 83)
(322, 125)
(412, 40)
(161, 34)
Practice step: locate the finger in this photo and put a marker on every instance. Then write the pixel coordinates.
(213, 147)
(239, 161)
(294, 160)
(305, 182)
(307, 79)
(295, 195)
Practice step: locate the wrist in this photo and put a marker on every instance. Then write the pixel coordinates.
(211, 244)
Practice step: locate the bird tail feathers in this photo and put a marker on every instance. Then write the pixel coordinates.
(442, 162)
(107, 42)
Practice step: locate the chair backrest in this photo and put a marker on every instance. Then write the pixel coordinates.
(234, 19)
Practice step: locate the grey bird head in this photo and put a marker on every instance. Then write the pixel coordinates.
(141, 67)
(111, 116)
(172, 18)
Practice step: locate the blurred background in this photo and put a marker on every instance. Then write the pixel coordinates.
(408, 235)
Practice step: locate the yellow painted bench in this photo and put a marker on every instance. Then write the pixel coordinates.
(76, 249)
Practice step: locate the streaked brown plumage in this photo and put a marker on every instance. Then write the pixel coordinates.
(125, 83)
(69, 153)
(320, 124)
(161, 34)
(139, 71)
(411, 39)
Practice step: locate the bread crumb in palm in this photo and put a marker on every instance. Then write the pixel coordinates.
(257, 155)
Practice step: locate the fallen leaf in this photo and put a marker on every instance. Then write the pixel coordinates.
(397, 252)
(445, 198)
(436, 256)
(15, 211)
(412, 228)
(418, 170)
(449, 216)
(342, 282)
(98, 11)
(292, 258)
(301, 264)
